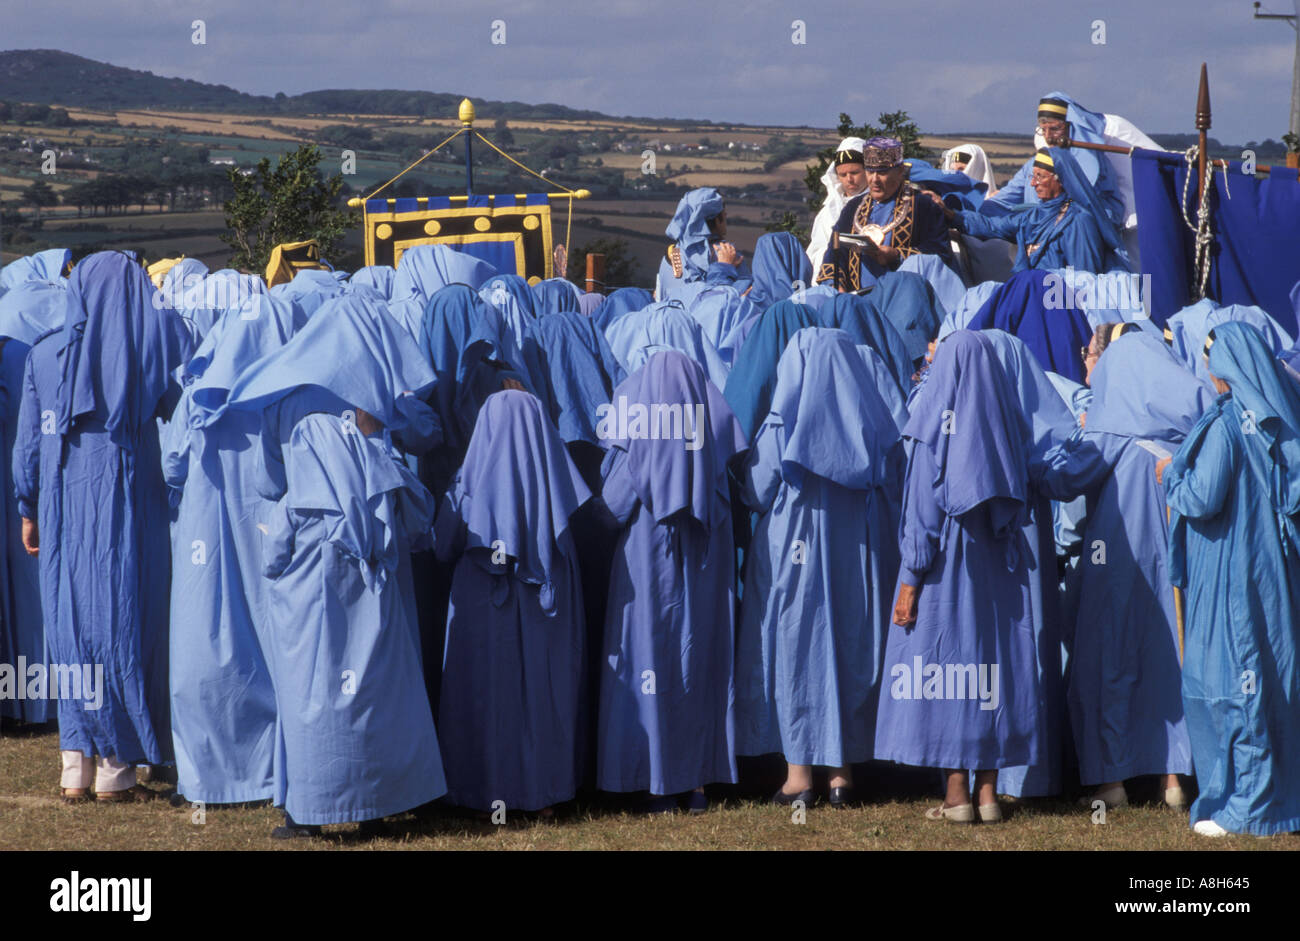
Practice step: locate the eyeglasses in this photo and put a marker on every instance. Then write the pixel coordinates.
(1086, 353)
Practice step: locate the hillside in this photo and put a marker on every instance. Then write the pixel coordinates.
(49, 76)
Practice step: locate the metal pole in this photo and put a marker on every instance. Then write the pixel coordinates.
(1293, 20)
(466, 115)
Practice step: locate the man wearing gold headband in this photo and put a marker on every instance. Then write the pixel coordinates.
(1058, 123)
(886, 224)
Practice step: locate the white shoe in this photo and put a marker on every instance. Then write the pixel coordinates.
(1209, 828)
(990, 813)
(1175, 798)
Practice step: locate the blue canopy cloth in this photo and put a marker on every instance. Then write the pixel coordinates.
(1251, 260)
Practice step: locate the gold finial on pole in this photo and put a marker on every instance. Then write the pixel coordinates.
(466, 112)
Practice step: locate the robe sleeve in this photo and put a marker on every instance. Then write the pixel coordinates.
(922, 520)
(176, 438)
(27, 448)
(761, 477)
(617, 490)
(930, 237)
(1071, 469)
(1198, 479)
(721, 273)
(277, 549)
(986, 227)
(1011, 195)
(1084, 247)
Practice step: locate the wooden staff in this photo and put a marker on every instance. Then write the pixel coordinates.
(1178, 604)
(1203, 126)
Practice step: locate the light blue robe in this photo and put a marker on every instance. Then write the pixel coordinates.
(825, 472)
(356, 736)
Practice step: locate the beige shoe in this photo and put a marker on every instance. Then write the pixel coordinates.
(1175, 798)
(991, 813)
(962, 813)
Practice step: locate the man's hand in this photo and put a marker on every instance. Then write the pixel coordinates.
(727, 253)
(905, 607)
(31, 536)
(1160, 471)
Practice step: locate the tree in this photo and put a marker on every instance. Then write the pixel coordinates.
(40, 195)
(621, 268)
(896, 124)
(504, 137)
(787, 221)
(290, 203)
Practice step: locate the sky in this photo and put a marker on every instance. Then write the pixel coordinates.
(979, 65)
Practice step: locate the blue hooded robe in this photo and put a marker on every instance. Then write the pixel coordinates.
(28, 311)
(555, 295)
(378, 278)
(621, 303)
(422, 271)
(867, 326)
(357, 740)
(87, 466)
(753, 376)
(1124, 691)
(1023, 308)
(666, 326)
(1191, 325)
(963, 688)
(826, 474)
(1234, 488)
(222, 697)
(666, 695)
(42, 266)
(510, 716)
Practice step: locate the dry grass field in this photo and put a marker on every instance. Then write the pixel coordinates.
(32, 817)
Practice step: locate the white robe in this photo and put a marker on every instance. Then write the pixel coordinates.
(824, 224)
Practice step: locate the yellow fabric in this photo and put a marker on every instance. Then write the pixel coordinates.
(288, 258)
(158, 270)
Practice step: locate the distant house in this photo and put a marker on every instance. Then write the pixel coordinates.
(222, 161)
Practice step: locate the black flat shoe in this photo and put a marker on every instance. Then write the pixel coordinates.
(698, 803)
(294, 831)
(661, 804)
(842, 797)
(782, 799)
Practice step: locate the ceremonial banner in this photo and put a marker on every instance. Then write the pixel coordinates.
(1256, 226)
(510, 232)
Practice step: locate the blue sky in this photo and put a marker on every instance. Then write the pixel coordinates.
(954, 66)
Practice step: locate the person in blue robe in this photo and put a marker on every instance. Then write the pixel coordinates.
(780, 266)
(27, 312)
(88, 478)
(1124, 690)
(1234, 545)
(825, 472)
(423, 270)
(1061, 119)
(222, 697)
(504, 345)
(589, 303)
(667, 325)
(863, 322)
(666, 697)
(961, 657)
(555, 295)
(512, 297)
(357, 739)
(220, 292)
(511, 715)
(620, 303)
(726, 316)
(1057, 231)
(49, 265)
(1051, 423)
(908, 301)
(378, 278)
(898, 218)
(1023, 307)
(581, 373)
(1190, 326)
(311, 288)
(946, 285)
(753, 377)
(699, 253)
